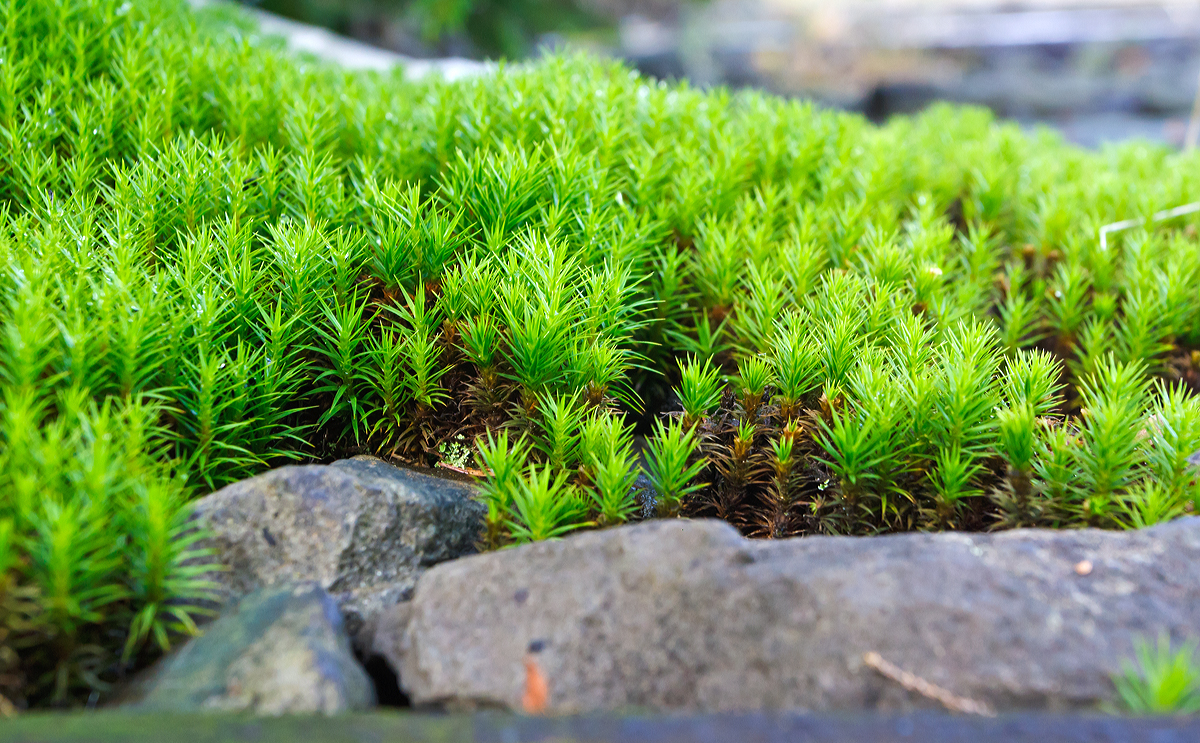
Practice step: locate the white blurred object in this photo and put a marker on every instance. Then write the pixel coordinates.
(950, 24)
(352, 54)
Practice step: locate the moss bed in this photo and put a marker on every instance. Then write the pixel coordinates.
(217, 257)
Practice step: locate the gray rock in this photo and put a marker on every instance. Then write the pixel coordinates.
(279, 650)
(678, 615)
(361, 528)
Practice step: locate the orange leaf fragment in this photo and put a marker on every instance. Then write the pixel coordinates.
(462, 470)
(537, 689)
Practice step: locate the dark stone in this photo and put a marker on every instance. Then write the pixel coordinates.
(279, 650)
(361, 528)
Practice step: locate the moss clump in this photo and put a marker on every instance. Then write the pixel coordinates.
(216, 257)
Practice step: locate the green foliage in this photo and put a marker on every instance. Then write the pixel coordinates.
(559, 439)
(795, 361)
(608, 444)
(217, 258)
(669, 467)
(1110, 457)
(699, 389)
(863, 446)
(1032, 378)
(613, 497)
(1165, 682)
(1018, 433)
(73, 482)
(755, 375)
(504, 462)
(544, 506)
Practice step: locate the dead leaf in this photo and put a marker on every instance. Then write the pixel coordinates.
(462, 470)
(537, 689)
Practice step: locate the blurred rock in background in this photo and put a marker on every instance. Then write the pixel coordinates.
(1098, 70)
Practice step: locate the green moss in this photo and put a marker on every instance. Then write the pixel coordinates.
(1164, 681)
(216, 258)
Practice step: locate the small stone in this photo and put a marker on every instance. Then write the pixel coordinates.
(279, 650)
(360, 528)
(1083, 567)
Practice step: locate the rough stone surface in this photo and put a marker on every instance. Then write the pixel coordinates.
(360, 528)
(678, 615)
(279, 650)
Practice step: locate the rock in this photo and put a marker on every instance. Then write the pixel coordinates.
(679, 615)
(360, 528)
(279, 650)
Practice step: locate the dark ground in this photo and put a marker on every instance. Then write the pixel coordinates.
(114, 727)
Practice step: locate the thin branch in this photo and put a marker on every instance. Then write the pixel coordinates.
(1178, 211)
(912, 682)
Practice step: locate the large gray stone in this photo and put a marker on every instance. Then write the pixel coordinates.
(279, 650)
(679, 615)
(360, 528)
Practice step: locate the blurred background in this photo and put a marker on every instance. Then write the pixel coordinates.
(1098, 70)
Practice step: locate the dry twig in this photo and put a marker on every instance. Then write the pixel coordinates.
(1178, 211)
(462, 470)
(948, 699)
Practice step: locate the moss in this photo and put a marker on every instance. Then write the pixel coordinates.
(216, 257)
